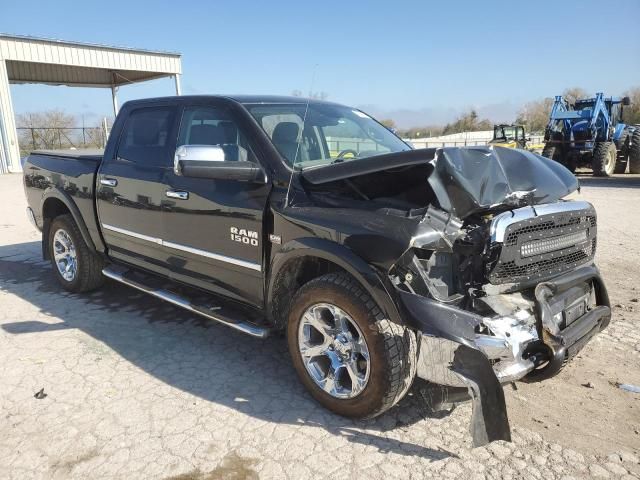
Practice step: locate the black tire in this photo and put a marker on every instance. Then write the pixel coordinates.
(634, 152)
(604, 160)
(621, 146)
(88, 265)
(554, 152)
(621, 167)
(392, 347)
(549, 151)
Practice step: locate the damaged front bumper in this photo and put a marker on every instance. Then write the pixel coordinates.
(465, 350)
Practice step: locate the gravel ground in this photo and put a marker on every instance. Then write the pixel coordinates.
(136, 388)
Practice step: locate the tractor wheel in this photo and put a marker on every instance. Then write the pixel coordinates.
(605, 156)
(634, 152)
(554, 152)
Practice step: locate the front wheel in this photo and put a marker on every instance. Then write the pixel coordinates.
(75, 266)
(352, 360)
(554, 152)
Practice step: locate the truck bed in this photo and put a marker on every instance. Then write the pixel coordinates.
(70, 177)
(84, 154)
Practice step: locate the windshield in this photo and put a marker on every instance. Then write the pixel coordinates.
(331, 133)
(505, 132)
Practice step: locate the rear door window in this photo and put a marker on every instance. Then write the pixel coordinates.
(147, 137)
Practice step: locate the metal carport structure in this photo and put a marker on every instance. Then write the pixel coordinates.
(58, 62)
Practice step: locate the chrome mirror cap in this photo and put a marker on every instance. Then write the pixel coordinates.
(203, 153)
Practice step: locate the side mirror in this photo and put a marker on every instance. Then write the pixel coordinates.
(212, 161)
(626, 101)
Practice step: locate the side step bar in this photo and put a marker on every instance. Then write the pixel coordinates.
(120, 275)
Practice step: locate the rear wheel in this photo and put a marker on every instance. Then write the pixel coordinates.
(634, 152)
(621, 166)
(604, 159)
(353, 360)
(75, 266)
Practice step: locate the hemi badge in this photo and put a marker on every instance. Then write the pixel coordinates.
(275, 238)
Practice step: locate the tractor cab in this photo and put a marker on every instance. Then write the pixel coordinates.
(510, 136)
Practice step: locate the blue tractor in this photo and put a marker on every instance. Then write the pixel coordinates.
(591, 133)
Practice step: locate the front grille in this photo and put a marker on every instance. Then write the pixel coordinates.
(536, 247)
(548, 226)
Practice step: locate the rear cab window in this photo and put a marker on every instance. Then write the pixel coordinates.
(146, 137)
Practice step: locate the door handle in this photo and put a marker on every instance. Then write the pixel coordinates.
(178, 195)
(109, 182)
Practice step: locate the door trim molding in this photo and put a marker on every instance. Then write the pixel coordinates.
(185, 248)
(124, 231)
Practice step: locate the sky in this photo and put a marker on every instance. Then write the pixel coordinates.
(418, 62)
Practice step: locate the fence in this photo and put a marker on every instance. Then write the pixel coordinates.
(340, 144)
(61, 138)
(434, 143)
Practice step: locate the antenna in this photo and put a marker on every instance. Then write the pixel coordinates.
(299, 139)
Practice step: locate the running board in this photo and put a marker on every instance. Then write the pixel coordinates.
(119, 274)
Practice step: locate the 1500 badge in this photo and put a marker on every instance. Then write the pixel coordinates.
(241, 235)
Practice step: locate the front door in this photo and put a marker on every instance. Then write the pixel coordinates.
(131, 187)
(213, 229)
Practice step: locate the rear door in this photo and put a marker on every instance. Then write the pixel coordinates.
(214, 236)
(131, 186)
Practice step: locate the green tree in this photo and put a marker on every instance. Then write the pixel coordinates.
(421, 132)
(468, 122)
(389, 123)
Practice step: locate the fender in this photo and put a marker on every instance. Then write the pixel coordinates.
(59, 194)
(620, 128)
(344, 258)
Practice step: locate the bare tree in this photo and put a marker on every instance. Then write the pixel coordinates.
(389, 123)
(631, 113)
(574, 93)
(50, 129)
(56, 129)
(535, 115)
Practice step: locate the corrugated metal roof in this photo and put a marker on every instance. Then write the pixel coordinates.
(86, 44)
(60, 62)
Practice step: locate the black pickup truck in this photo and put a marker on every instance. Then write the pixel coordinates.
(464, 267)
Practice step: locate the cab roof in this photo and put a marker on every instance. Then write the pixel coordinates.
(242, 99)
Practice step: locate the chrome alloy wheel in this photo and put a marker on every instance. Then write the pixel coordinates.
(334, 351)
(64, 254)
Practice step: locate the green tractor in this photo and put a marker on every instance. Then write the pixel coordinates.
(513, 136)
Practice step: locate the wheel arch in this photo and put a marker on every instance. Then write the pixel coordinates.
(55, 203)
(301, 260)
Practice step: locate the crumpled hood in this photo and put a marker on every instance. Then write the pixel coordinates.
(467, 180)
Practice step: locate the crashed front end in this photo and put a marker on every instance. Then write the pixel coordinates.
(500, 284)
